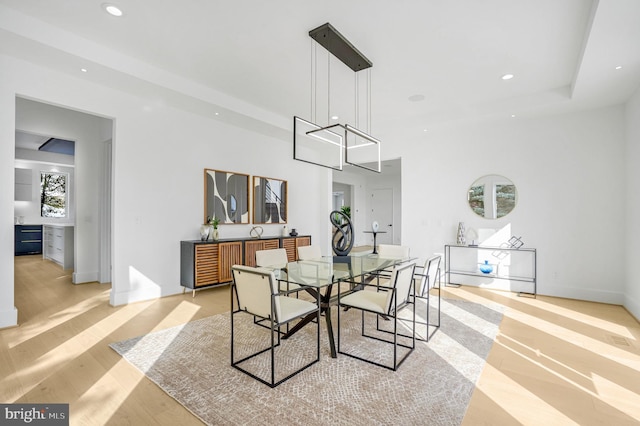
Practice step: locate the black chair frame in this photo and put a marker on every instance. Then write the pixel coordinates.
(275, 338)
(392, 315)
(431, 329)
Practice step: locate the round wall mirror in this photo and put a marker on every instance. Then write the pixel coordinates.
(492, 196)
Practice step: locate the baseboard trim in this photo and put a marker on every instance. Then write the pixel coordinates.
(633, 307)
(84, 277)
(9, 318)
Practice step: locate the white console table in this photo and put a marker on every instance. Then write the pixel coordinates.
(514, 269)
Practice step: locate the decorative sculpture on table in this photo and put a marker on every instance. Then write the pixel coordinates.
(204, 232)
(256, 232)
(342, 241)
(515, 242)
(460, 239)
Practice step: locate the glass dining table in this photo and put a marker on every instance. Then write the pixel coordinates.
(320, 275)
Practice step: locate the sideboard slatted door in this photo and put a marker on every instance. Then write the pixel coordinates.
(291, 244)
(229, 254)
(250, 248)
(206, 270)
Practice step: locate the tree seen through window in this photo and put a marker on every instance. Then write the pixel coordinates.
(53, 194)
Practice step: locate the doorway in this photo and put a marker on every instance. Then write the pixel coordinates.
(361, 185)
(91, 180)
(381, 211)
(341, 196)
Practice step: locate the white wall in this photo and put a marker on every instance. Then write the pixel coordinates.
(159, 160)
(159, 153)
(632, 227)
(8, 312)
(569, 173)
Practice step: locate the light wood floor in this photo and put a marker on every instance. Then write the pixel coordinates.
(554, 362)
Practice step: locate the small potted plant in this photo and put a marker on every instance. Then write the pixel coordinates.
(213, 222)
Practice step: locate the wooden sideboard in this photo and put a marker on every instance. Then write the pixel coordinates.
(206, 264)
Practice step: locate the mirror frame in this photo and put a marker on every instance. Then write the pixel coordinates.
(261, 198)
(496, 212)
(218, 187)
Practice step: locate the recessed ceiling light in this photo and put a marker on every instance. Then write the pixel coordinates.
(83, 69)
(507, 76)
(619, 67)
(513, 115)
(334, 117)
(425, 130)
(112, 9)
(217, 113)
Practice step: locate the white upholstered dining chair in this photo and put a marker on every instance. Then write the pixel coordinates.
(256, 293)
(277, 259)
(386, 302)
(309, 252)
(391, 251)
(427, 278)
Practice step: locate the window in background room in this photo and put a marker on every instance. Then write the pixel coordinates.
(53, 194)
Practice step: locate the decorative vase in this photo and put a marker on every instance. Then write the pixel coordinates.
(461, 240)
(215, 234)
(293, 232)
(375, 226)
(486, 268)
(204, 232)
(285, 231)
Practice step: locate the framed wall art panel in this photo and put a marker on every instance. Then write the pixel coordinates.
(226, 196)
(269, 200)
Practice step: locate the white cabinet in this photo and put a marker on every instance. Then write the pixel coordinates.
(23, 185)
(58, 244)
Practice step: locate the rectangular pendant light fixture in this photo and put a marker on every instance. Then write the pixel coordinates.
(329, 38)
(335, 144)
(316, 145)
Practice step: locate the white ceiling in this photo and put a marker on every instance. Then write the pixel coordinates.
(30, 141)
(249, 61)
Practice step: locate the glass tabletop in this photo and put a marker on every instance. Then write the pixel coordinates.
(330, 269)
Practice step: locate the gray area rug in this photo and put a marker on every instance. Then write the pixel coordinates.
(433, 387)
